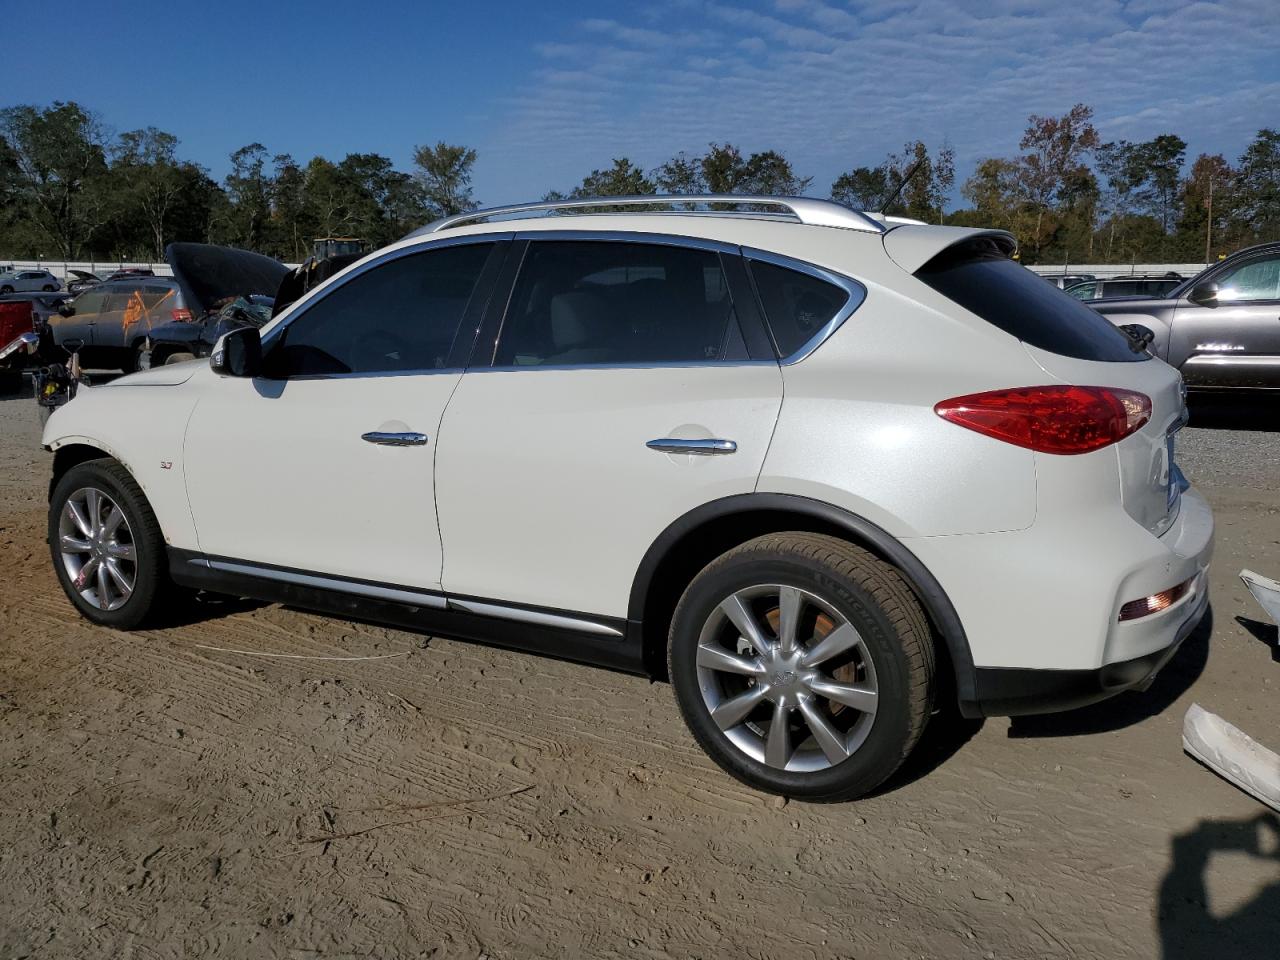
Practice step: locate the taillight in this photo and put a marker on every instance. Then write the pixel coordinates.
(1053, 419)
(1136, 609)
(181, 313)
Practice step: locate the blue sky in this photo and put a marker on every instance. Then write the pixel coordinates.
(546, 92)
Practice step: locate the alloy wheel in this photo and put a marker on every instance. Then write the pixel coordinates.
(97, 548)
(787, 678)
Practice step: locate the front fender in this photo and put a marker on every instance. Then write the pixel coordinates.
(143, 427)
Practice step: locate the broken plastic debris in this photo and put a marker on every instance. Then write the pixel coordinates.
(1232, 754)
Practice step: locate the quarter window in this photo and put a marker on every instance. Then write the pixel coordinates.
(399, 316)
(586, 303)
(797, 305)
(1256, 280)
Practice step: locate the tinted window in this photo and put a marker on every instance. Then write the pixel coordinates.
(596, 302)
(796, 305)
(1084, 291)
(401, 315)
(1011, 297)
(1123, 288)
(1255, 280)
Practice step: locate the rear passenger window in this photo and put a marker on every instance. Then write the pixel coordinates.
(983, 280)
(401, 316)
(797, 305)
(585, 303)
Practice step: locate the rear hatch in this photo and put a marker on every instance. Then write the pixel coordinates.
(1074, 345)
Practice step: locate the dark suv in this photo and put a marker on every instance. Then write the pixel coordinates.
(1221, 328)
(114, 319)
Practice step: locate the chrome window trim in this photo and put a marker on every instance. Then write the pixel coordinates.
(358, 269)
(857, 297)
(414, 597)
(638, 365)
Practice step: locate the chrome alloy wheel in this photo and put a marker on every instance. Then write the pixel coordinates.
(97, 548)
(787, 678)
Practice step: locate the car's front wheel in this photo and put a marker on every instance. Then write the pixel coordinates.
(803, 665)
(106, 544)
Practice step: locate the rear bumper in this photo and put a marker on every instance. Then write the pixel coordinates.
(1011, 692)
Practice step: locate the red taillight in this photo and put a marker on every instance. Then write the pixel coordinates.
(1053, 419)
(181, 313)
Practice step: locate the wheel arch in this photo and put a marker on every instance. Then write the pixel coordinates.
(695, 539)
(72, 453)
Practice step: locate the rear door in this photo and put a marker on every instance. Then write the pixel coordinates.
(619, 396)
(1236, 341)
(107, 327)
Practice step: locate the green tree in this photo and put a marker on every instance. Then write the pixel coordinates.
(1258, 187)
(443, 173)
(862, 188)
(58, 165)
(145, 165)
(249, 190)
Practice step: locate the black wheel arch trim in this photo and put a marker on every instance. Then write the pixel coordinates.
(937, 605)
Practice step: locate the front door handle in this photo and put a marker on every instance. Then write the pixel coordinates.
(394, 439)
(702, 448)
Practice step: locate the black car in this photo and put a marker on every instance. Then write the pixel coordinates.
(224, 289)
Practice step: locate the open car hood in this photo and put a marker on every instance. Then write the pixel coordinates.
(208, 273)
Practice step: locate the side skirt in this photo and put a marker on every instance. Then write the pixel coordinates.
(590, 639)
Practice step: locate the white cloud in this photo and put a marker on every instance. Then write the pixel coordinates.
(834, 85)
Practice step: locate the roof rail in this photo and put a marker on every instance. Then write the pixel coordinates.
(810, 210)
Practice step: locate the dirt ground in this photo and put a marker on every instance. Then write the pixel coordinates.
(363, 793)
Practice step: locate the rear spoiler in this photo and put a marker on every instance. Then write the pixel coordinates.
(911, 246)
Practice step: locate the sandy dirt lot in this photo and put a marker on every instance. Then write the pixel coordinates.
(172, 794)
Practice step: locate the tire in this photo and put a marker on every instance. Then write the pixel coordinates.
(135, 548)
(133, 360)
(181, 357)
(882, 669)
(48, 289)
(5, 289)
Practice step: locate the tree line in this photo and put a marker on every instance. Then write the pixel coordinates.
(70, 189)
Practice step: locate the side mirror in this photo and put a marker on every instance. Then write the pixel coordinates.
(238, 354)
(1204, 294)
(67, 310)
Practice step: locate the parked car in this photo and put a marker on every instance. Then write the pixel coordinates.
(822, 472)
(79, 281)
(128, 273)
(1133, 286)
(114, 319)
(18, 281)
(1221, 328)
(1064, 280)
(223, 289)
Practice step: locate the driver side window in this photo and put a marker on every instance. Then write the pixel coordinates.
(399, 316)
(1255, 280)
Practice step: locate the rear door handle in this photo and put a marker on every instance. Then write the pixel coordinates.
(702, 448)
(394, 439)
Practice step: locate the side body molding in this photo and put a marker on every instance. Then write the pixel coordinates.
(937, 606)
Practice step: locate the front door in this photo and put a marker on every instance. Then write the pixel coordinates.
(1236, 341)
(325, 466)
(620, 396)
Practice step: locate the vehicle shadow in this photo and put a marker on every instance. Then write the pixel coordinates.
(203, 607)
(1255, 410)
(1187, 928)
(1128, 708)
(1268, 633)
(945, 735)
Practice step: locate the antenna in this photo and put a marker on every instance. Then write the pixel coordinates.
(901, 185)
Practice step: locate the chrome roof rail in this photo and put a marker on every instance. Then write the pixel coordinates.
(810, 210)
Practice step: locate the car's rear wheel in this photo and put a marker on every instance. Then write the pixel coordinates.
(137, 353)
(106, 544)
(803, 665)
(180, 357)
(48, 288)
(5, 289)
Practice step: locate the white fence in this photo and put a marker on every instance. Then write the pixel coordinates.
(99, 268)
(1118, 269)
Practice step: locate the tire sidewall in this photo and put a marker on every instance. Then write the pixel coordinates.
(137, 512)
(878, 756)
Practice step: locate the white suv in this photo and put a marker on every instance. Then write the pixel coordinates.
(821, 469)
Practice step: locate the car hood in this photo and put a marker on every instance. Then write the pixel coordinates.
(169, 375)
(208, 274)
(1129, 304)
(83, 275)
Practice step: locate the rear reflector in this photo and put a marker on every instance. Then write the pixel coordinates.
(1059, 418)
(181, 313)
(1154, 603)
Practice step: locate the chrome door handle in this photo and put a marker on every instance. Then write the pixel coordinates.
(395, 439)
(702, 448)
